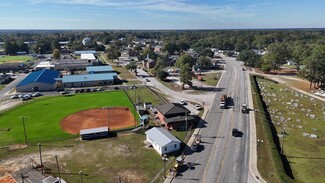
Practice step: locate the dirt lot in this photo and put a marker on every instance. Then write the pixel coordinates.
(116, 118)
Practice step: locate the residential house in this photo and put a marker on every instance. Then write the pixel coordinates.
(162, 141)
(174, 116)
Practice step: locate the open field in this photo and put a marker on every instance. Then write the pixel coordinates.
(102, 161)
(5, 59)
(300, 114)
(45, 114)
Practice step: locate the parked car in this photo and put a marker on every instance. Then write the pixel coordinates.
(25, 97)
(36, 94)
(147, 80)
(88, 90)
(93, 89)
(183, 102)
(14, 96)
(197, 107)
(77, 91)
(64, 92)
(100, 89)
(82, 91)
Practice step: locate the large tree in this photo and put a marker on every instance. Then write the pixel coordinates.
(113, 52)
(314, 71)
(186, 75)
(277, 54)
(56, 54)
(170, 48)
(185, 59)
(250, 58)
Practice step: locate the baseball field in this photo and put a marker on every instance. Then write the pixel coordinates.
(48, 117)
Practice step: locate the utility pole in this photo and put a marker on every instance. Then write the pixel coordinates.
(57, 164)
(40, 156)
(283, 135)
(80, 173)
(186, 125)
(23, 120)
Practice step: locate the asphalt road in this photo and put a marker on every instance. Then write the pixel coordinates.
(222, 157)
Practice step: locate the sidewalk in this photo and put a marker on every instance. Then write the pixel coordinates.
(254, 175)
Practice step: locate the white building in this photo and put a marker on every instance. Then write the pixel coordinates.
(87, 56)
(162, 141)
(44, 65)
(86, 41)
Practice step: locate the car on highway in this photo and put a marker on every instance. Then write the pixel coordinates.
(197, 107)
(235, 132)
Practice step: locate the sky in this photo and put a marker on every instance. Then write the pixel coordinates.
(161, 14)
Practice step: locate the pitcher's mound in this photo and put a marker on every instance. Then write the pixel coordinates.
(115, 118)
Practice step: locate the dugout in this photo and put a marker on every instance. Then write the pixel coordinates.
(94, 133)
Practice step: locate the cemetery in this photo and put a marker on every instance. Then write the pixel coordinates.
(299, 120)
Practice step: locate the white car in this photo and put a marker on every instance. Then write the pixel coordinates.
(183, 102)
(14, 96)
(197, 107)
(36, 94)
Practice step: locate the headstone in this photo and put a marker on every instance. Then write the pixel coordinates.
(289, 119)
(312, 116)
(299, 126)
(281, 90)
(278, 124)
(308, 110)
(298, 120)
(306, 134)
(312, 100)
(313, 136)
(288, 103)
(303, 109)
(295, 104)
(275, 99)
(292, 100)
(301, 95)
(314, 129)
(282, 119)
(297, 100)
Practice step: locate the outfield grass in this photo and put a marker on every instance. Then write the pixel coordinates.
(4, 59)
(305, 155)
(46, 114)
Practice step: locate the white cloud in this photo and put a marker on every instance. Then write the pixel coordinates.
(177, 6)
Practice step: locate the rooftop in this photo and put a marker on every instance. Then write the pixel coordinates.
(172, 108)
(99, 69)
(41, 76)
(87, 77)
(88, 56)
(161, 136)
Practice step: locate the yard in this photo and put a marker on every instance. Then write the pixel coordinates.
(6, 59)
(124, 74)
(302, 117)
(211, 78)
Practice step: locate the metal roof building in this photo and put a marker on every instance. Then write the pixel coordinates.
(99, 69)
(162, 141)
(85, 80)
(87, 56)
(42, 80)
(78, 53)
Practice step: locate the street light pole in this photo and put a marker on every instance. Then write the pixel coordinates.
(80, 173)
(108, 120)
(23, 120)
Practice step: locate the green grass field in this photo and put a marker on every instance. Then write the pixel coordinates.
(5, 59)
(45, 114)
(211, 78)
(305, 155)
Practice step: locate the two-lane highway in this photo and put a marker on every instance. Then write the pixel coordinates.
(223, 158)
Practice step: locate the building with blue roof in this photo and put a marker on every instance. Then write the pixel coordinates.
(87, 80)
(162, 141)
(42, 80)
(99, 69)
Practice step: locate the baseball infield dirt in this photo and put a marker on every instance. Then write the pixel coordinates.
(115, 118)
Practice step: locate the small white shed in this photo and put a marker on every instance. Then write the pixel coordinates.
(162, 141)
